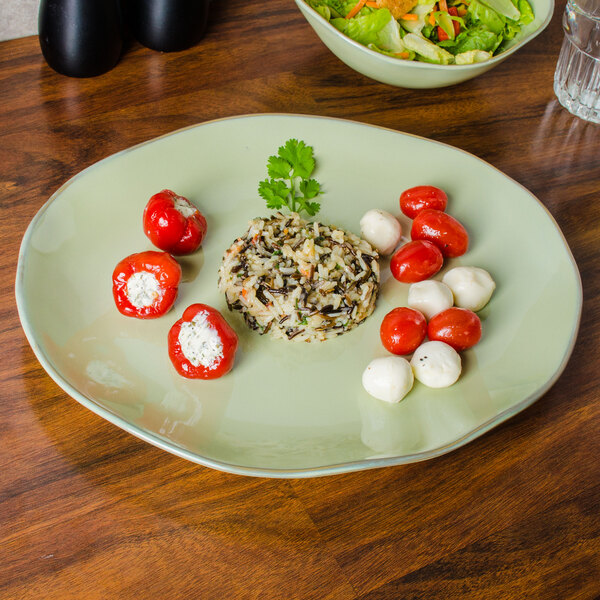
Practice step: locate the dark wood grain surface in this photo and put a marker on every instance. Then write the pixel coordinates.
(88, 511)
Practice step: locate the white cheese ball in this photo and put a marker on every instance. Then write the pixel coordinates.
(472, 287)
(388, 379)
(382, 230)
(436, 364)
(430, 297)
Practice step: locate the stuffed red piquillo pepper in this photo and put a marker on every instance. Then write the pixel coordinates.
(202, 345)
(145, 284)
(173, 223)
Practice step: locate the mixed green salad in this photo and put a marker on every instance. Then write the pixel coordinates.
(444, 32)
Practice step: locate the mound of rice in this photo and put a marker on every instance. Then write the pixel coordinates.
(300, 280)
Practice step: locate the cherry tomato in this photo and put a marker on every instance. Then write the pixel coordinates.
(402, 330)
(416, 261)
(145, 285)
(443, 230)
(457, 327)
(202, 345)
(173, 223)
(415, 199)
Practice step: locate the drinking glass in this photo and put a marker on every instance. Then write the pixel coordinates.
(577, 76)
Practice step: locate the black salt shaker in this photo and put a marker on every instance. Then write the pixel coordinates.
(167, 25)
(80, 38)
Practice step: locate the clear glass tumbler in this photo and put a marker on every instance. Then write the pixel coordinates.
(577, 76)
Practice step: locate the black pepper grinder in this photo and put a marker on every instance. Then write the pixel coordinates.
(80, 38)
(167, 25)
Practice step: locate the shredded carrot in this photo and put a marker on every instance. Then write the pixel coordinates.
(356, 8)
(372, 4)
(410, 17)
(245, 293)
(403, 54)
(431, 18)
(443, 5)
(461, 10)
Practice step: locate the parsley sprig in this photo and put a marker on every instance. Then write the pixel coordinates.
(289, 183)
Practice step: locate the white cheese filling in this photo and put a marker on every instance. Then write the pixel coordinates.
(184, 206)
(143, 289)
(200, 342)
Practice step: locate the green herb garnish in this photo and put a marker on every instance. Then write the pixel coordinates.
(289, 182)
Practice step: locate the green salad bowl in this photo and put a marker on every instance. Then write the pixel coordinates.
(415, 74)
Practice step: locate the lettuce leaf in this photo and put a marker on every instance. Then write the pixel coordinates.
(478, 37)
(426, 50)
(511, 30)
(377, 27)
(472, 56)
(394, 54)
(421, 10)
(481, 13)
(506, 8)
(526, 11)
(389, 37)
(328, 8)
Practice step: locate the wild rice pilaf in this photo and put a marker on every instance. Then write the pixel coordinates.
(300, 280)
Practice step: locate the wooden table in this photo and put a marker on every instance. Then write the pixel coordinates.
(88, 511)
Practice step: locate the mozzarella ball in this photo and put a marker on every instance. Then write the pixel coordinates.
(436, 364)
(472, 287)
(430, 297)
(388, 379)
(382, 230)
